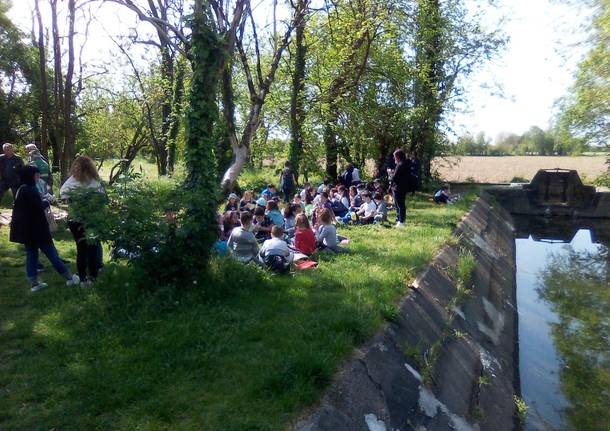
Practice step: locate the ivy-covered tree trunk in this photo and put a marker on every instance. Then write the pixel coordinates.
(297, 109)
(174, 127)
(201, 186)
(430, 75)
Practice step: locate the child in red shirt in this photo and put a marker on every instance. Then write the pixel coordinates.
(304, 238)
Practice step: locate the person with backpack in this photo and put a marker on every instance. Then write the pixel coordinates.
(287, 181)
(275, 253)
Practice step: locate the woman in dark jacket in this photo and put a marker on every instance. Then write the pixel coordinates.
(401, 185)
(29, 226)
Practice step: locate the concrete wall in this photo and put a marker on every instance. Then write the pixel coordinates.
(442, 364)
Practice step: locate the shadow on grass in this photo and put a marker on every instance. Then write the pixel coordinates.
(239, 350)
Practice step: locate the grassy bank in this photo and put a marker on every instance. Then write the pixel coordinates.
(241, 350)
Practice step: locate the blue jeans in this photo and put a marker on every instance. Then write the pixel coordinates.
(31, 260)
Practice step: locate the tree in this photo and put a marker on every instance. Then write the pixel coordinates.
(585, 111)
(17, 72)
(448, 46)
(258, 84)
(297, 108)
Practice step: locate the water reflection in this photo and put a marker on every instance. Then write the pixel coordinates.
(564, 324)
(575, 283)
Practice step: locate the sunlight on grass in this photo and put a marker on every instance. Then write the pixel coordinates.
(244, 341)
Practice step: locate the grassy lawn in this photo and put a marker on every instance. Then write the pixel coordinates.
(241, 350)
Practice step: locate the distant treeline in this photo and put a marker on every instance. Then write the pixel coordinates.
(535, 142)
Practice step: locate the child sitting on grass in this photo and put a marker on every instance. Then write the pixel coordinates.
(275, 254)
(290, 214)
(443, 195)
(247, 202)
(304, 238)
(298, 201)
(273, 212)
(232, 203)
(326, 235)
(381, 214)
(262, 224)
(368, 209)
(242, 242)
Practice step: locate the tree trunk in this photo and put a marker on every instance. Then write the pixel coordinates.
(200, 224)
(175, 116)
(58, 94)
(69, 149)
(44, 91)
(297, 109)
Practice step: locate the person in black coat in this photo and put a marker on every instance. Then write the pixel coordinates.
(10, 164)
(401, 185)
(415, 171)
(29, 226)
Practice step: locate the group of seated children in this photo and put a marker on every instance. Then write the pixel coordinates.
(303, 226)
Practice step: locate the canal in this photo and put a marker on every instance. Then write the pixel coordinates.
(563, 299)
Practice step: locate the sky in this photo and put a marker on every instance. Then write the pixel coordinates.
(515, 91)
(535, 69)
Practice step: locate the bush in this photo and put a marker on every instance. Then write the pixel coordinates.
(137, 217)
(603, 180)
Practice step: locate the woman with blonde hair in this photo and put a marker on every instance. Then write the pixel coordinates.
(89, 257)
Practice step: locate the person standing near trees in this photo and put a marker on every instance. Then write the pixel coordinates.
(37, 160)
(415, 171)
(29, 226)
(287, 181)
(10, 165)
(401, 183)
(88, 254)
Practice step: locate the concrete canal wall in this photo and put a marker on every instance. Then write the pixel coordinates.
(448, 360)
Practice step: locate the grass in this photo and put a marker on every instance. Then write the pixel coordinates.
(251, 357)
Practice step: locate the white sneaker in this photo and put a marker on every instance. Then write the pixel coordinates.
(85, 283)
(38, 286)
(400, 225)
(74, 281)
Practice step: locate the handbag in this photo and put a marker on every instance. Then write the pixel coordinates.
(51, 220)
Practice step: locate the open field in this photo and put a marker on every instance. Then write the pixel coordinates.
(504, 169)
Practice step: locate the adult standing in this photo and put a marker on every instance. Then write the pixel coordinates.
(415, 171)
(29, 226)
(401, 182)
(37, 160)
(287, 182)
(347, 177)
(10, 165)
(83, 175)
(356, 176)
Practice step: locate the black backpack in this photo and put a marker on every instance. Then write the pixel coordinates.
(277, 264)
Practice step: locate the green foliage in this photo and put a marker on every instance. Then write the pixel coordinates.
(465, 268)
(585, 110)
(17, 74)
(521, 409)
(199, 229)
(603, 180)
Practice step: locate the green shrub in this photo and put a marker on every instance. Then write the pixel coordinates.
(603, 180)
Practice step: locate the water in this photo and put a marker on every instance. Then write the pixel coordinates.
(563, 300)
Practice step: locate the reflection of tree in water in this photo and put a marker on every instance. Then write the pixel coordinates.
(576, 284)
